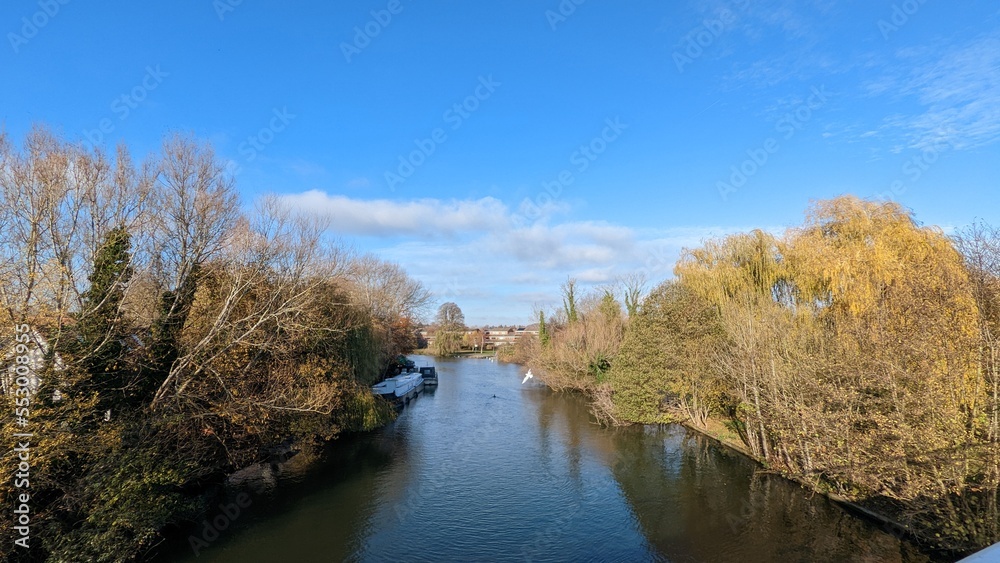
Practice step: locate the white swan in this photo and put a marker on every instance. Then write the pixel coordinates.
(527, 376)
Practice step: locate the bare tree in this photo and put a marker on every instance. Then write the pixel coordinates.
(386, 290)
(58, 204)
(450, 317)
(196, 211)
(28, 182)
(196, 206)
(980, 245)
(252, 296)
(633, 289)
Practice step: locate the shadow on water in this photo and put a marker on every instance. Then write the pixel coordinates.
(292, 521)
(698, 501)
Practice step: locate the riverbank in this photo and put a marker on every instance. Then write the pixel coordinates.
(716, 430)
(460, 354)
(505, 471)
(721, 433)
(250, 492)
(815, 360)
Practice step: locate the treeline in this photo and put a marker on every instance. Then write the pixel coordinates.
(181, 338)
(857, 353)
(578, 343)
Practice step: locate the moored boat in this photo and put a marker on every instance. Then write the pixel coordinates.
(406, 381)
(414, 383)
(400, 388)
(429, 375)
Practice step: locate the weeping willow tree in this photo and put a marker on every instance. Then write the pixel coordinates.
(850, 352)
(740, 275)
(902, 320)
(740, 270)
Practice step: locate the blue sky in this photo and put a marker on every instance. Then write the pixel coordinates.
(496, 148)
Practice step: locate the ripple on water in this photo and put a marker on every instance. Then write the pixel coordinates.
(486, 469)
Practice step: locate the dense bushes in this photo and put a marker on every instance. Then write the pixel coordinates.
(669, 341)
(183, 338)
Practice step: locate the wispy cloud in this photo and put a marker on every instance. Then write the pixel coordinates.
(957, 95)
(359, 183)
(798, 24)
(304, 168)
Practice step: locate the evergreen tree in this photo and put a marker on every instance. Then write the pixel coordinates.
(101, 331)
(569, 300)
(543, 333)
(175, 306)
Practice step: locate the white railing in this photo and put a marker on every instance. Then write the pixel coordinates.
(988, 555)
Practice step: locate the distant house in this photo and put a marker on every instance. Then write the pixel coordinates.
(532, 330)
(425, 337)
(500, 336)
(490, 337)
(37, 349)
(474, 338)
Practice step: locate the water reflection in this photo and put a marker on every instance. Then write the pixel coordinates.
(485, 468)
(698, 502)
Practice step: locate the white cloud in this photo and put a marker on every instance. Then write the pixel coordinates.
(566, 245)
(495, 267)
(596, 276)
(386, 218)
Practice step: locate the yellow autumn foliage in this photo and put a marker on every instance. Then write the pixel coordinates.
(851, 356)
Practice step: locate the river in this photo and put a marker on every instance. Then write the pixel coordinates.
(486, 469)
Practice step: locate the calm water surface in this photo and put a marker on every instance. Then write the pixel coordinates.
(487, 469)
